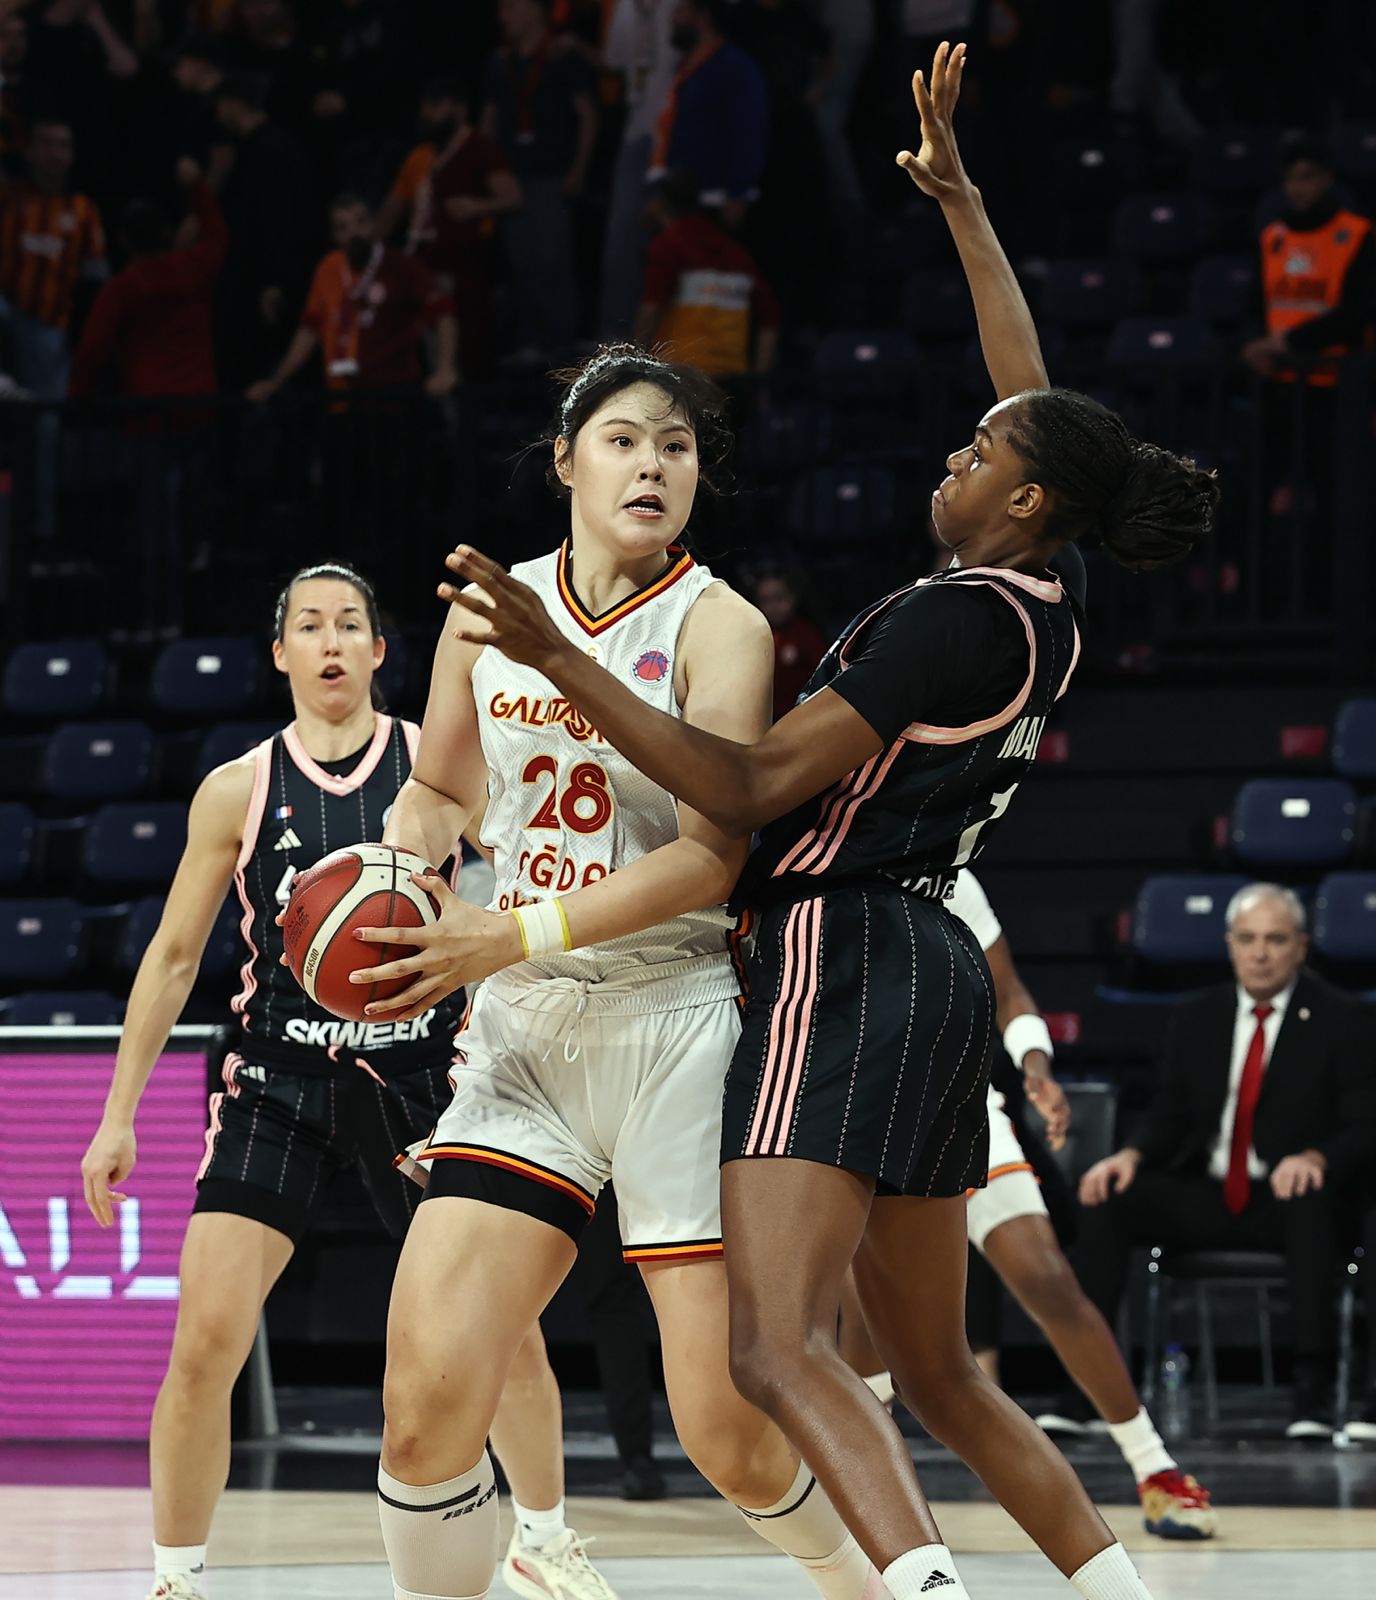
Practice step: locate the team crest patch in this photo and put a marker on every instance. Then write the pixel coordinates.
(653, 667)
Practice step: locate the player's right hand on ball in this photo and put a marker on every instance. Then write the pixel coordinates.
(109, 1158)
(1113, 1174)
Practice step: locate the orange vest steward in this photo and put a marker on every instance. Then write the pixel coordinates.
(1302, 277)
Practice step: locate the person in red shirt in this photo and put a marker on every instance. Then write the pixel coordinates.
(450, 191)
(150, 327)
(799, 644)
(704, 298)
(367, 308)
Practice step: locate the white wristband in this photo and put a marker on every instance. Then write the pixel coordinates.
(1025, 1034)
(544, 928)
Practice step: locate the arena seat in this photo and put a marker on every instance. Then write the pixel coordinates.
(1089, 172)
(1178, 919)
(18, 834)
(937, 305)
(1354, 150)
(224, 949)
(871, 364)
(40, 940)
(210, 676)
(1223, 289)
(56, 1008)
(134, 842)
(1309, 821)
(1345, 916)
(850, 503)
(229, 740)
(1158, 229)
(98, 760)
(1091, 291)
(1233, 161)
(788, 437)
(1354, 739)
(63, 679)
(1156, 344)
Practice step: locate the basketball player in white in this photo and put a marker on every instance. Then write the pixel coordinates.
(1009, 1225)
(601, 1049)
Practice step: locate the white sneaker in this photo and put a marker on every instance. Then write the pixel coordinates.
(176, 1589)
(559, 1570)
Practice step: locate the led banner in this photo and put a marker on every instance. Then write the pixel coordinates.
(86, 1313)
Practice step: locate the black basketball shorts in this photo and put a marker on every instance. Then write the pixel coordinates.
(866, 1042)
(276, 1139)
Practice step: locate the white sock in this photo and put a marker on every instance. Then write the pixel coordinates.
(805, 1525)
(538, 1527)
(1141, 1445)
(441, 1538)
(1110, 1576)
(928, 1570)
(179, 1561)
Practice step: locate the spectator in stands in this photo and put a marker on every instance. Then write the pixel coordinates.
(637, 47)
(268, 200)
(367, 308)
(149, 331)
(715, 121)
(1318, 273)
(14, 86)
(538, 105)
(264, 44)
(50, 239)
(799, 644)
(450, 191)
(1262, 1124)
(198, 74)
(704, 298)
(365, 57)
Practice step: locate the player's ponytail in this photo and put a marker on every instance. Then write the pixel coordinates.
(343, 574)
(1146, 505)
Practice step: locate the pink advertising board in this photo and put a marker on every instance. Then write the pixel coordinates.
(86, 1313)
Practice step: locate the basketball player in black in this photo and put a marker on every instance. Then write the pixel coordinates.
(304, 1093)
(855, 1116)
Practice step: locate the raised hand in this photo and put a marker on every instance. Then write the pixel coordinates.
(505, 613)
(936, 168)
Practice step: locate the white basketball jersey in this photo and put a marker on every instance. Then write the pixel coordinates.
(566, 809)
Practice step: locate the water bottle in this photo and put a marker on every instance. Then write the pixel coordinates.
(1175, 1393)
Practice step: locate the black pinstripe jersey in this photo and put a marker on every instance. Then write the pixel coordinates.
(300, 811)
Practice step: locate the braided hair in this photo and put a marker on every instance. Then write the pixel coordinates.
(615, 367)
(1146, 505)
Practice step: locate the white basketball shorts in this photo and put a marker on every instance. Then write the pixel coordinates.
(1012, 1190)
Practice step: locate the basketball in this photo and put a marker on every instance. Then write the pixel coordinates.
(363, 886)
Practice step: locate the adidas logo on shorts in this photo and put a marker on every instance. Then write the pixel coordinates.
(936, 1580)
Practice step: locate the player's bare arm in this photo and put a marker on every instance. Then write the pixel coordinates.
(1007, 334)
(738, 785)
(163, 983)
(726, 657)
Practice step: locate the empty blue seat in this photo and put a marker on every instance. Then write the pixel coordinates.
(1161, 228)
(1354, 150)
(224, 949)
(850, 503)
(62, 679)
(872, 364)
(788, 437)
(1295, 820)
(1154, 344)
(133, 842)
(1354, 739)
(1091, 291)
(18, 834)
(54, 1008)
(1180, 919)
(212, 676)
(96, 760)
(1092, 172)
(229, 740)
(40, 940)
(937, 304)
(1234, 161)
(1345, 916)
(1223, 289)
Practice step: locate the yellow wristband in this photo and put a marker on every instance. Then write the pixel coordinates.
(521, 929)
(544, 928)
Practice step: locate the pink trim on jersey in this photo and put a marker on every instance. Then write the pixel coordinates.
(925, 733)
(253, 823)
(830, 833)
(1074, 662)
(212, 1134)
(411, 733)
(790, 1031)
(326, 780)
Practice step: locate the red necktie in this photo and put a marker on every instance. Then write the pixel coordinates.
(1237, 1186)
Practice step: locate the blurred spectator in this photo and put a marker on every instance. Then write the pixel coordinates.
(450, 191)
(1318, 272)
(197, 75)
(539, 107)
(264, 44)
(73, 47)
(715, 121)
(798, 643)
(14, 86)
(704, 297)
(850, 29)
(1263, 1120)
(269, 204)
(365, 55)
(49, 239)
(149, 331)
(638, 47)
(367, 308)
(1143, 92)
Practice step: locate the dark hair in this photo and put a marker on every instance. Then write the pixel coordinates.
(717, 12)
(678, 192)
(1299, 144)
(345, 574)
(1146, 505)
(145, 226)
(615, 367)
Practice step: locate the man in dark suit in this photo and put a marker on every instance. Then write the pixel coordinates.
(1261, 1131)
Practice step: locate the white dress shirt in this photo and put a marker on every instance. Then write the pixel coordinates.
(1243, 1029)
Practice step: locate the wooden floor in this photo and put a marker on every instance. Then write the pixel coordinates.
(68, 1530)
